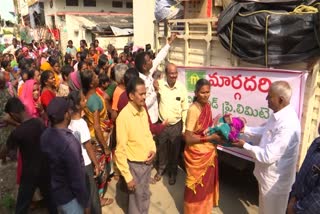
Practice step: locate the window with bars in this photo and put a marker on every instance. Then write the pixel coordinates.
(72, 2)
(90, 3)
(117, 4)
(129, 5)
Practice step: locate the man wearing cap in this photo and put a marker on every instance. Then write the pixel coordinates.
(66, 164)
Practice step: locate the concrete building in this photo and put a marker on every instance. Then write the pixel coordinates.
(90, 19)
(82, 19)
(143, 24)
(7, 10)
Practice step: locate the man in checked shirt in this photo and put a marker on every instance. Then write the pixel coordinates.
(305, 195)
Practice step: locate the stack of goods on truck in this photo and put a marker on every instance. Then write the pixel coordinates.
(271, 32)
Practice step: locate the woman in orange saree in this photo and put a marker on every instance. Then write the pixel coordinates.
(202, 181)
(95, 116)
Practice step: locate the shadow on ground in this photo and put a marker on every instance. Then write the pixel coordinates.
(176, 191)
(238, 190)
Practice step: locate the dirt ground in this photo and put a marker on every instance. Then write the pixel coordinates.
(238, 193)
(8, 187)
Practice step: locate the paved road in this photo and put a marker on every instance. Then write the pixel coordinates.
(238, 194)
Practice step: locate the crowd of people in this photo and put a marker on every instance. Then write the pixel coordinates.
(66, 121)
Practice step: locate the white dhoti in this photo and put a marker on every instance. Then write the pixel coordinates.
(272, 203)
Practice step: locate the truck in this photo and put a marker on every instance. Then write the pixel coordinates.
(198, 47)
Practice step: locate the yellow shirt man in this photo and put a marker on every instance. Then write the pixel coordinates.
(134, 138)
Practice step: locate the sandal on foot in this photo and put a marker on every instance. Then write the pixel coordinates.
(157, 177)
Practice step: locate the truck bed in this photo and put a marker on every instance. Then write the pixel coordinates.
(197, 45)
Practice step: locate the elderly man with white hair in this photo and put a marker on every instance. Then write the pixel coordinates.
(119, 70)
(276, 156)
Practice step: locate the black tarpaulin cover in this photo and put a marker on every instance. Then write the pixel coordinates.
(270, 32)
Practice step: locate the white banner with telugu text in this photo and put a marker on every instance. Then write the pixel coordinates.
(242, 92)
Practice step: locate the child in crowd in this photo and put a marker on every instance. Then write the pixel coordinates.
(81, 131)
(93, 56)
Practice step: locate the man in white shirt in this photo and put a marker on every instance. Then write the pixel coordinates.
(146, 67)
(276, 155)
(11, 49)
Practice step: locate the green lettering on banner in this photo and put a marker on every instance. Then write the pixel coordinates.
(192, 77)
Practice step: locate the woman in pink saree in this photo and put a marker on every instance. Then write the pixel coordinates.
(30, 97)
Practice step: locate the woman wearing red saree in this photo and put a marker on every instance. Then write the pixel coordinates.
(48, 90)
(202, 181)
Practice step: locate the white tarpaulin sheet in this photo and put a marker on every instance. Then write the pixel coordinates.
(121, 32)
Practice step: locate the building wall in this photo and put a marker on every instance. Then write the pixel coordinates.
(69, 27)
(71, 30)
(117, 42)
(6, 9)
(101, 6)
(59, 6)
(143, 24)
(23, 7)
